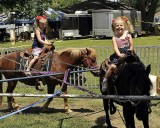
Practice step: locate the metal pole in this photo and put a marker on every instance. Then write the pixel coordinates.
(46, 75)
(127, 97)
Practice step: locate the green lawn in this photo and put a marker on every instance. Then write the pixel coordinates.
(140, 41)
(90, 42)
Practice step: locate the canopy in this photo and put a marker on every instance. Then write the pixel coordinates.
(57, 15)
(24, 21)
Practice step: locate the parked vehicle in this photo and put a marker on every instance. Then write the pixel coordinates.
(76, 25)
(102, 20)
(4, 36)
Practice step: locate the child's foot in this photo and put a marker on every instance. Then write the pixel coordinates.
(104, 86)
(28, 73)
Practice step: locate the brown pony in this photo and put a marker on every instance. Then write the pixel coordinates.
(59, 61)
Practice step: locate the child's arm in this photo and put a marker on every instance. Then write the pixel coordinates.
(116, 48)
(47, 42)
(131, 42)
(40, 40)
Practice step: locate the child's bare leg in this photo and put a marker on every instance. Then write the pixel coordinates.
(32, 62)
(107, 75)
(110, 70)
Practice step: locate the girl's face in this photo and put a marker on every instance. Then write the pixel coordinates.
(42, 25)
(119, 26)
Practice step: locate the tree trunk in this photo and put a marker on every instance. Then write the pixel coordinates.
(148, 9)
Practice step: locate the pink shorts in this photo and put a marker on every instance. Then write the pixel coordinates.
(37, 51)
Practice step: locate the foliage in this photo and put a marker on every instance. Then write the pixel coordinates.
(60, 4)
(148, 9)
(31, 8)
(26, 8)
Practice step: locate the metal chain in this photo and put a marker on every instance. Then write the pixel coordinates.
(78, 87)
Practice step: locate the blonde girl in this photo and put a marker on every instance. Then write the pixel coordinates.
(122, 42)
(41, 28)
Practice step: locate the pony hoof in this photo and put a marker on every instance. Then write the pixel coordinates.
(45, 109)
(16, 107)
(69, 111)
(112, 111)
(41, 89)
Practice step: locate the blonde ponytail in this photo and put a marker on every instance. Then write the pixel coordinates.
(128, 24)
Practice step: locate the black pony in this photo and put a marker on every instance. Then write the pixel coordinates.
(131, 79)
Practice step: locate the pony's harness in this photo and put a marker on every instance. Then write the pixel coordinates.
(86, 60)
(44, 60)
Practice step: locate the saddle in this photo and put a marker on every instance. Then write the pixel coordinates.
(129, 58)
(43, 63)
(27, 53)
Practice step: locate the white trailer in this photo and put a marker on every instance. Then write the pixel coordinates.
(102, 20)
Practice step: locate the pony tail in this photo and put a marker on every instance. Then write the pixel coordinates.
(35, 25)
(113, 29)
(113, 22)
(48, 28)
(129, 26)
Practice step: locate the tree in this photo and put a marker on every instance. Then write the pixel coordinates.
(148, 9)
(61, 4)
(26, 8)
(31, 8)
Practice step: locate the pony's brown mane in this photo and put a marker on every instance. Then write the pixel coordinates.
(76, 52)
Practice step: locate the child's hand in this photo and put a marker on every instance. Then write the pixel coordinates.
(50, 44)
(122, 55)
(129, 52)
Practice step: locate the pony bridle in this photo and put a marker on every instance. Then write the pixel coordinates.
(86, 61)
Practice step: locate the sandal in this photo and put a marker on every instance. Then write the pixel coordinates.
(27, 73)
(104, 86)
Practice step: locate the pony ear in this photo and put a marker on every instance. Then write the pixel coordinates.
(148, 69)
(88, 52)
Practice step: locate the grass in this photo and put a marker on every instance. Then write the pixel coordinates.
(53, 118)
(140, 41)
(88, 113)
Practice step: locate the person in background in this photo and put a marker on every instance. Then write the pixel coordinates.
(41, 28)
(122, 42)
